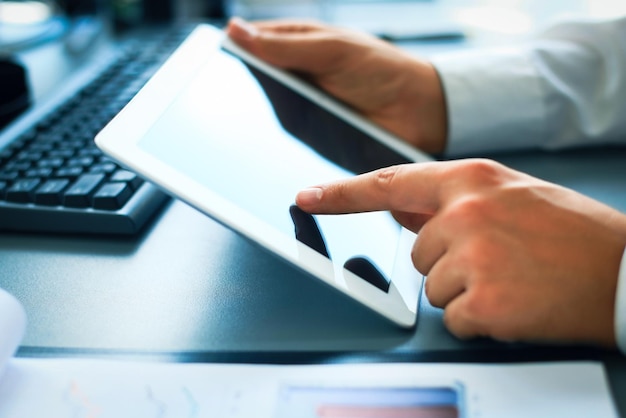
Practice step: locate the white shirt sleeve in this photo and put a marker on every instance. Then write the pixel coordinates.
(566, 87)
(620, 307)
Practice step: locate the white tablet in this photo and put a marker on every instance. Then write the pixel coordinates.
(237, 139)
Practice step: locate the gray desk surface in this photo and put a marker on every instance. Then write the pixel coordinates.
(189, 289)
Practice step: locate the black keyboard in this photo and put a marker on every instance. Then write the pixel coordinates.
(52, 176)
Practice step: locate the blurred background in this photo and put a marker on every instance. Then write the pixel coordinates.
(28, 22)
(422, 26)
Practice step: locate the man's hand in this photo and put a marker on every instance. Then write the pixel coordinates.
(388, 86)
(507, 255)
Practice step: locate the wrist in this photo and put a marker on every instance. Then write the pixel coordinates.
(426, 112)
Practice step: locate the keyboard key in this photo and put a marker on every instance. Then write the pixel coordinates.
(9, 175)
(38, 172)
(22, 191)
(42, 147)
(106, 168)
(79, 194)
(17, 166)
(6, 154)
(133, 180)
(90, 152)
(61, 153)
(112, 196)
(72, 145)
(51, 138)
(49, 193)
(29, 156)
(3, 188)
(51, 162)
(69, 172)
(80, 162)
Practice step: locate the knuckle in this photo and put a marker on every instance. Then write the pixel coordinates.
(476, 256)
(457, 323)
(481, 171)
(476, 307)
(471, 207)
(469, 211)
(384, 177)
(490, 313)
(385, 181)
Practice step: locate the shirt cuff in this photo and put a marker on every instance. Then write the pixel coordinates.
(495, 100)
(620, 307)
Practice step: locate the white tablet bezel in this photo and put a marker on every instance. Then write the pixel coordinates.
(121, 136)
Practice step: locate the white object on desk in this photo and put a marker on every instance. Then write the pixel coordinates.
(12, 326)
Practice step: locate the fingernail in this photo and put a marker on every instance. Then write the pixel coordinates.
(309, 196)
(249, 30)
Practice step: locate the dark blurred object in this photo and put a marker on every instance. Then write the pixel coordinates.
(216, 9)
(75, 8)
(158, 10)
(128, 14)
(14, 90)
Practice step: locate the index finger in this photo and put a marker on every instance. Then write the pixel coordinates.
(414, 188)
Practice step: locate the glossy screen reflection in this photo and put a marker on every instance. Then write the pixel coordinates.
(256, 144)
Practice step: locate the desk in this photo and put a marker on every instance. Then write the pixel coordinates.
(188, 289)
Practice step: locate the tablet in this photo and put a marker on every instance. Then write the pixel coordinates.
(237, 139)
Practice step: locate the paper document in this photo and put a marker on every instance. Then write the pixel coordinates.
(76, 388)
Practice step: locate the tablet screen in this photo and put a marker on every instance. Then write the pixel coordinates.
(256, 143)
